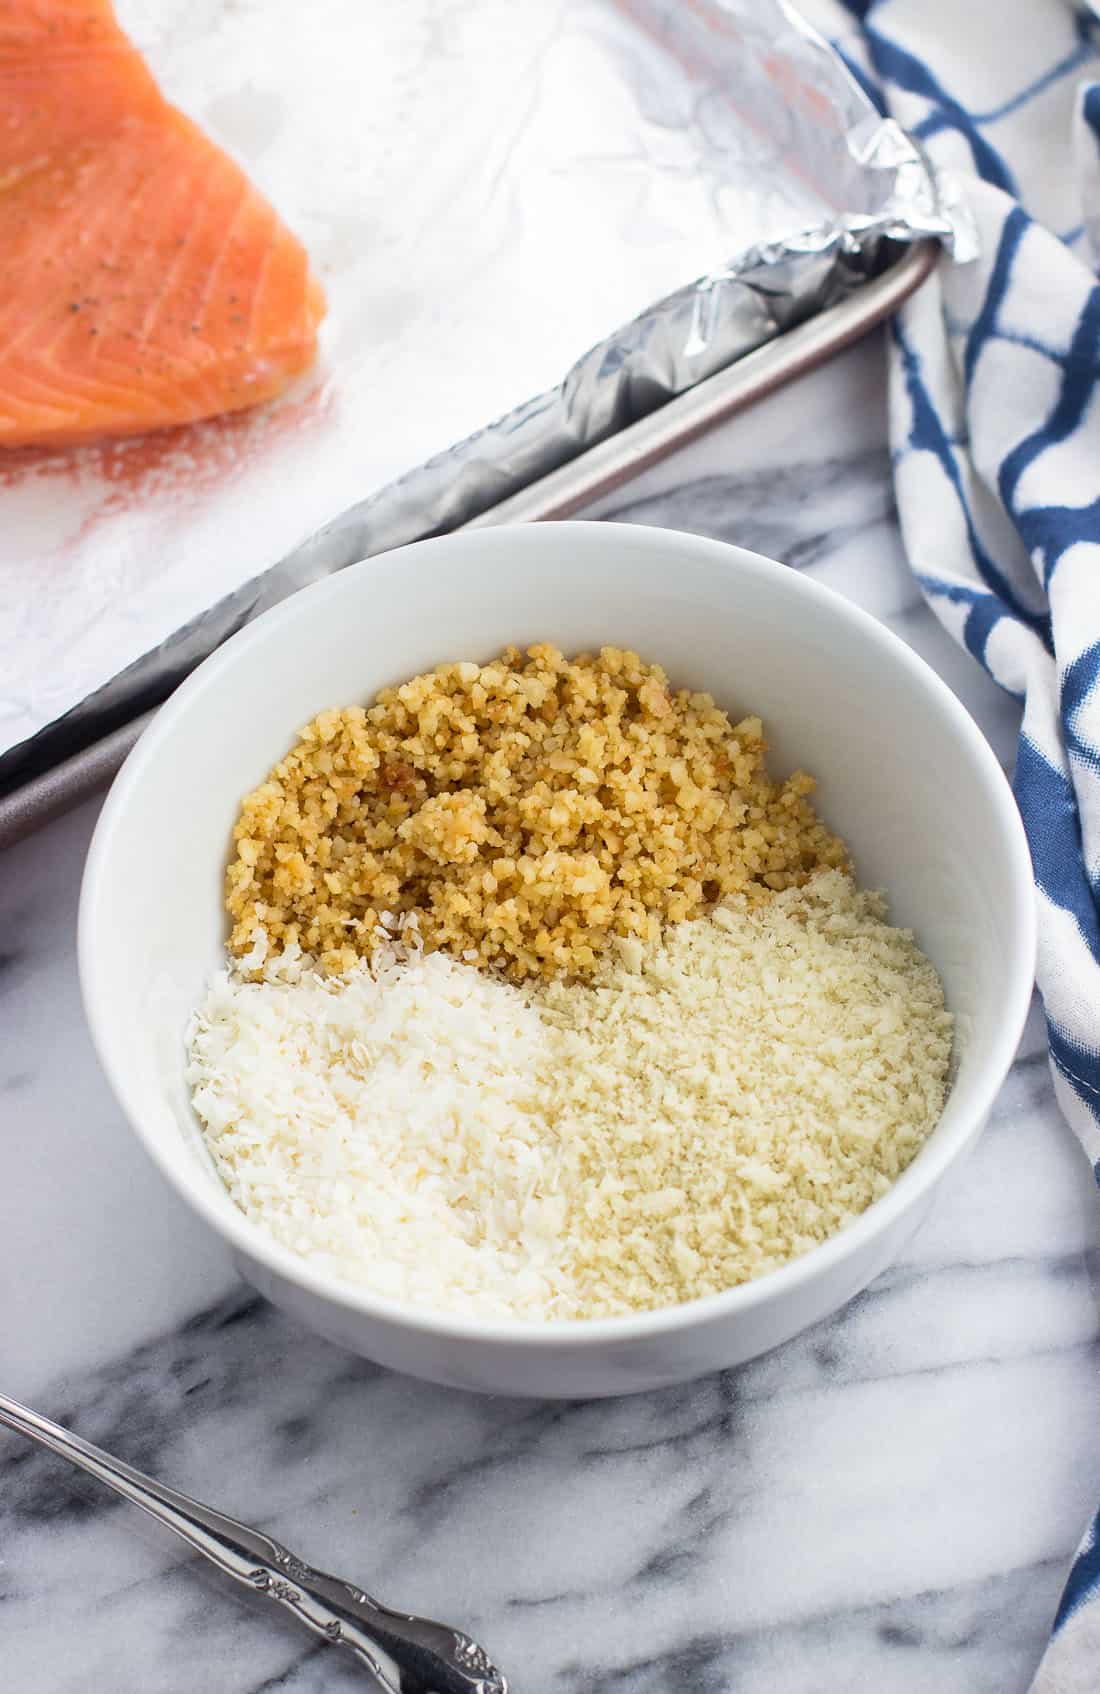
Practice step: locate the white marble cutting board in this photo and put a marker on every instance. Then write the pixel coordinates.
(885, 1506)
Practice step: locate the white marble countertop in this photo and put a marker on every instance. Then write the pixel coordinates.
(887, 1504)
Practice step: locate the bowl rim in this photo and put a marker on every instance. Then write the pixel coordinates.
(904, 1195)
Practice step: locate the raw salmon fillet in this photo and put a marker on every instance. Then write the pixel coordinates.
(143, 280)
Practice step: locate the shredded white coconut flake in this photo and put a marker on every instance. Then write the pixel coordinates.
(386, 1125)
(715, 1104)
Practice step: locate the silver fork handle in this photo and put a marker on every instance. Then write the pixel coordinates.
(405, 1654)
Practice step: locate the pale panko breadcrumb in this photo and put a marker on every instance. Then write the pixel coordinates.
(528, 811)
(741, 1092)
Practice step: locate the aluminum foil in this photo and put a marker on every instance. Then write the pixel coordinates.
(486, 189)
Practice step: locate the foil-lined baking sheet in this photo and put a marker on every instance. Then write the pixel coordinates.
(486, 190)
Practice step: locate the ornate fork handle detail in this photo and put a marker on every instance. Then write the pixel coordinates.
(404, 1653)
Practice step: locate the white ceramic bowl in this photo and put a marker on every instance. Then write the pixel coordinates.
(905, 776)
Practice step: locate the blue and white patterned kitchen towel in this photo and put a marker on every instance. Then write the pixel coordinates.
(995, 431)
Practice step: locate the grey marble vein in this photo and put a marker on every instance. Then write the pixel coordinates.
(804, 514)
